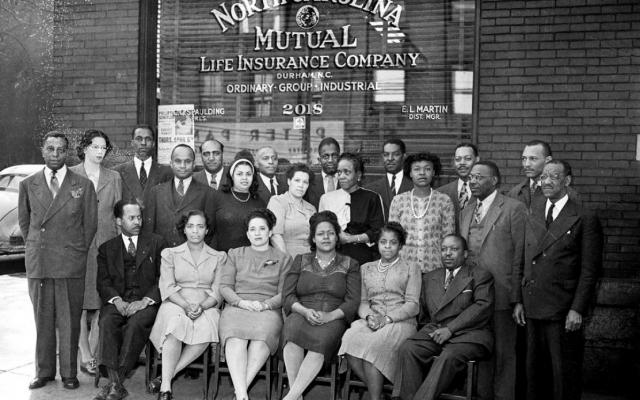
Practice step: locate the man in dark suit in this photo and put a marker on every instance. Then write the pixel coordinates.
(169, 200)
(464, 158)
(494, 230)
(269, 184)
(143, 172)
(328, 154)
(457, 301)
(213, 174)
(563, 256)
(58, 216)
(394, 182)
(128, 273)
(535, 156)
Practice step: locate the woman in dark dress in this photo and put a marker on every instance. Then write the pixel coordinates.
(232, 204)
(321, 297)
(359, 210)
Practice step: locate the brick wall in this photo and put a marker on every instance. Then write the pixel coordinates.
(567, 71)
(96, 66)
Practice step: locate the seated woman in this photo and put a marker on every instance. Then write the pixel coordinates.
(388, 308)
(321, 295)
(190, 297)
(291, 232)
(251, 284)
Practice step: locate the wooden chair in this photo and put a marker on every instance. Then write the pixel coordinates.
(331, 378)
(352, 381)
(148, 349)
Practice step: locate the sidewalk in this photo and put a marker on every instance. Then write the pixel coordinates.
(17, 344)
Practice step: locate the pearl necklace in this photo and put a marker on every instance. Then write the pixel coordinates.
(382, 269)
(425, 210)
(320, 262)
(239, 199)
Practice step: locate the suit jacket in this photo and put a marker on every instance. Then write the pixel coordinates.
(522, 192)
(201, 177)
(161, 213)
(451, 190)
(263, 191)
(57, 232)
(561, 264)
(131, 187)
(502, 249)
(381, 186)
(111, 272)
(466, 308)
(315, 190)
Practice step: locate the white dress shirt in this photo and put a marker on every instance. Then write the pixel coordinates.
(399, 175)
(185, 182)
(147, 165)
(60, 174)
(218, 177)
(267, 182)
(557, 206)
(486, 203)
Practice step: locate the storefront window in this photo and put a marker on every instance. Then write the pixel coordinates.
(287, 73)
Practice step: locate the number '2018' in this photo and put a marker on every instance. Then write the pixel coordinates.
(302, 109)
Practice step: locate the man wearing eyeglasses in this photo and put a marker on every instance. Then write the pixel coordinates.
(563, 256)
(328, 154)
(142, 173)
(214, 174)
(494, 230)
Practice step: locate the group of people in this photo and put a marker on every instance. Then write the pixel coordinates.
(401, 281)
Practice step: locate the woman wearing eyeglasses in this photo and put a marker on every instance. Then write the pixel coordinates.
(92, 150)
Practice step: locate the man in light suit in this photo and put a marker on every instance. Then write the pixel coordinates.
(169, 200)
(128, 273)
(494, 230)
(57, 212)
(328, 154)
(143, 172)
(457, 301)
(269, 184)
(464, 158)
(563, 256)
(214, 174)
(393, 182)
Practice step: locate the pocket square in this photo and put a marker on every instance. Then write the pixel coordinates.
(467, 290)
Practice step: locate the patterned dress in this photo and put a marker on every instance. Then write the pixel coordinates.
(396, 293)
(292, 222)
(425, 234)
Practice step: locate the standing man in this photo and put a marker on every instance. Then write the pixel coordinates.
(142, 173)
(213, 174)
(394, 182)
(494, 229)
(58, 216)
(464, 158)
(128, 273)
(328, 154)
(169, 200)
(458, 302)
(563, 256)
(268, 183)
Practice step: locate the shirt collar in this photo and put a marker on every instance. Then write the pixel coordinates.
(486, 203)
(125, 240)
(138, 162)
(60, 174)
(399, 175)
(185, 182)
(536, 181)
(267, 180)
(557, 206)
(455, 272)
(460, 183)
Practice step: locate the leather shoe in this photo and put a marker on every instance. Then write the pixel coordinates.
(165, 396)
(103, 392)
(154, 385)
(70, 383)
(39, 382)
(117, 392)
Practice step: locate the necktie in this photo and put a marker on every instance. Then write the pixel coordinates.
(273, 188)
(393, 186)
(448, 280)
(54, 185)
(463, 196)
(549, 219)
(214, 182)
(131, 249)
(143, 176)
(331, 185)
(181, 188)
(477, 214)
(532, 188)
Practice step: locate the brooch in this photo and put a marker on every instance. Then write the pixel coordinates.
(269, 263)
(76, 193)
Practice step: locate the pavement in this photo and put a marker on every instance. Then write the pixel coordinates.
(17, 344)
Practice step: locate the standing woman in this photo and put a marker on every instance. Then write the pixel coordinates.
(389, 304)
(359, 210)
(251, 283)
(189, 311)
(92, 149)
(291, 232)
(232, 204)
(321, 296)
(426, 214)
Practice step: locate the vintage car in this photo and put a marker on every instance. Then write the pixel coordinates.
(11, 241)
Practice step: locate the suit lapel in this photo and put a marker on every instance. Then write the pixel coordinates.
(190, 196)
(465, 220)
(492, 216)
(406, 185)
(103, 180)
(458, 284)
(142, 250)
(118, 256)
(42, 191)
(64, 195)
(131, 177)
(565, 220)
(435, 290)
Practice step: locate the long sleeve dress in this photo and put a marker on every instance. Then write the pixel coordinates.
(195, 281)
(292, 222)
(253, 275)
(229, 213)
(335, 286)
(396, 293)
